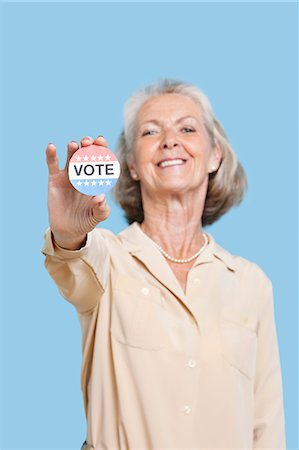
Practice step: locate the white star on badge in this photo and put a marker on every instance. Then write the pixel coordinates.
(93, 183)
(86, 183)
(100, 158)
(78, 158)
(79, 183)
(101, 183)
(108, 157)
(93, 158)
(86, 158)
(108, 182)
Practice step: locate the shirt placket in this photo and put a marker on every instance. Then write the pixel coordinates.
(194, 295)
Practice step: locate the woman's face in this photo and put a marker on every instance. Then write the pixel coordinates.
(172, 151)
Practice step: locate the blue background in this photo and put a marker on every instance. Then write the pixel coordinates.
(68, 69)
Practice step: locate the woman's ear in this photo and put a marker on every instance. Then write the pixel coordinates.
(215, 159)
(132, 167)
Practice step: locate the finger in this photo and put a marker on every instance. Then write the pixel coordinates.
(101, 208)
(98, 200)
(72, 147)
(87, 140)
(100, 140)
(52, 160)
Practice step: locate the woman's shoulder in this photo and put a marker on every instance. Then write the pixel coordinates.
(242, 266)
(105, 233)
(112, 239)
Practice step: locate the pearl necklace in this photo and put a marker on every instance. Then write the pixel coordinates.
(182, 261)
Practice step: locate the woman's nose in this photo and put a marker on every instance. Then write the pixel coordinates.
(169, 140)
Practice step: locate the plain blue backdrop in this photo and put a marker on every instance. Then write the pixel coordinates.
(68, 69)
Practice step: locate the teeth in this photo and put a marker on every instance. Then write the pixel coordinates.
(171, 162)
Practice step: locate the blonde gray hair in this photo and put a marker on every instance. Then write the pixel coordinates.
(227, 185)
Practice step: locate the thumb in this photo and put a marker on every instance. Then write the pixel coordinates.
(100, 208)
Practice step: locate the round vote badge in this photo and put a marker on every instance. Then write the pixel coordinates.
(93, 170)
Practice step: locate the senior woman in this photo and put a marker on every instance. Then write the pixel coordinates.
(179, 339)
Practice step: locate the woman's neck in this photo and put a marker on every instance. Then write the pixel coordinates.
(175, 225)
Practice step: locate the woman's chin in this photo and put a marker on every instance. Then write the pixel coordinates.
(175, 187)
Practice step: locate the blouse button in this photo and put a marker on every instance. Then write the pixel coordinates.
(145, 291)
(192, 363)
(187, 409)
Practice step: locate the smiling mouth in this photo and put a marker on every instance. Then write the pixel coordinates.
(171, 162)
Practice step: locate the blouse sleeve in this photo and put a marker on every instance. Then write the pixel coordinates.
(80, 275)
(269, 427)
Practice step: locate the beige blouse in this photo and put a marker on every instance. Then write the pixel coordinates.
(166, 370)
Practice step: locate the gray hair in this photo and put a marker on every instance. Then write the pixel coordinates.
(227, 185)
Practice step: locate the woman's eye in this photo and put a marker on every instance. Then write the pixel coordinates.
(148, 132)
(188, 130)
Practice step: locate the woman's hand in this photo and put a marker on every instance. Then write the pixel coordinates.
(72, 214)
